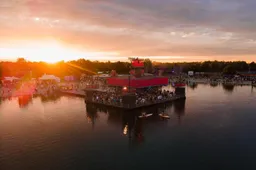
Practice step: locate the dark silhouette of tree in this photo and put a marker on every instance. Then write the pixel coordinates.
(228, 88)
(213, 84)
(193, 86)
(229, 69)
(148, 66)
(21, 60)
(252, 66)
(78, 67)
(206, 66)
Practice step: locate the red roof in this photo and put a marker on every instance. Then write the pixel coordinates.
(138, 82)
(137, 63)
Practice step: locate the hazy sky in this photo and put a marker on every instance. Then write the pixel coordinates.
(167, 30)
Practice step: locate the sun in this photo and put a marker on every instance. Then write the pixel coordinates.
(50, 52)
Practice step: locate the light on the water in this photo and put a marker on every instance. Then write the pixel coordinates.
(125, 130)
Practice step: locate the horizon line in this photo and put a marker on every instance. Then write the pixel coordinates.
(113, 61)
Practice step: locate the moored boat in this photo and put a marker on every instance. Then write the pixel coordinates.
(145, 115)
(165, 116)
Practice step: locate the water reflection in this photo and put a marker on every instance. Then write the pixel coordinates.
(135, 132)
(45, 98)
(228, 87)
(128, 120)
(192, 85)
(24, 101)
(132, 127)
(5, 98)
(57, 135)
(91, 114)
(214, 84)
(179, 109)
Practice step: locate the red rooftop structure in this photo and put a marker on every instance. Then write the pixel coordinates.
(142, 82)
(137, 78)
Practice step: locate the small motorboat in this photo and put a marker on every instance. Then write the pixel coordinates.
(145, 115)
(165, 116)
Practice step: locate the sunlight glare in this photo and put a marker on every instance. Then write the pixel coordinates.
(50, 52)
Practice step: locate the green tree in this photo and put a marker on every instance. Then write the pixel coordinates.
(206, 66)
(229, 69)
(21, 60)
(121, 67)
(148, 66)
(240, 66)
(252, 66)
(77, 67)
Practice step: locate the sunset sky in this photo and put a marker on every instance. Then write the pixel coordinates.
(163, 30)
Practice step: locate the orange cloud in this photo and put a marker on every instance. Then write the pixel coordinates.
(133, 28)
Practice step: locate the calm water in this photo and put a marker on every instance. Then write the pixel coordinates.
(214, 128)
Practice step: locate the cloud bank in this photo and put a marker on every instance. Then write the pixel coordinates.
(213, 29)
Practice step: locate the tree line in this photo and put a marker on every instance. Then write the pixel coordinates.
(76, 67)
(219, 66)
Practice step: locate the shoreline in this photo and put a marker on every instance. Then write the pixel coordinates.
(81, 93)
(220, 81)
